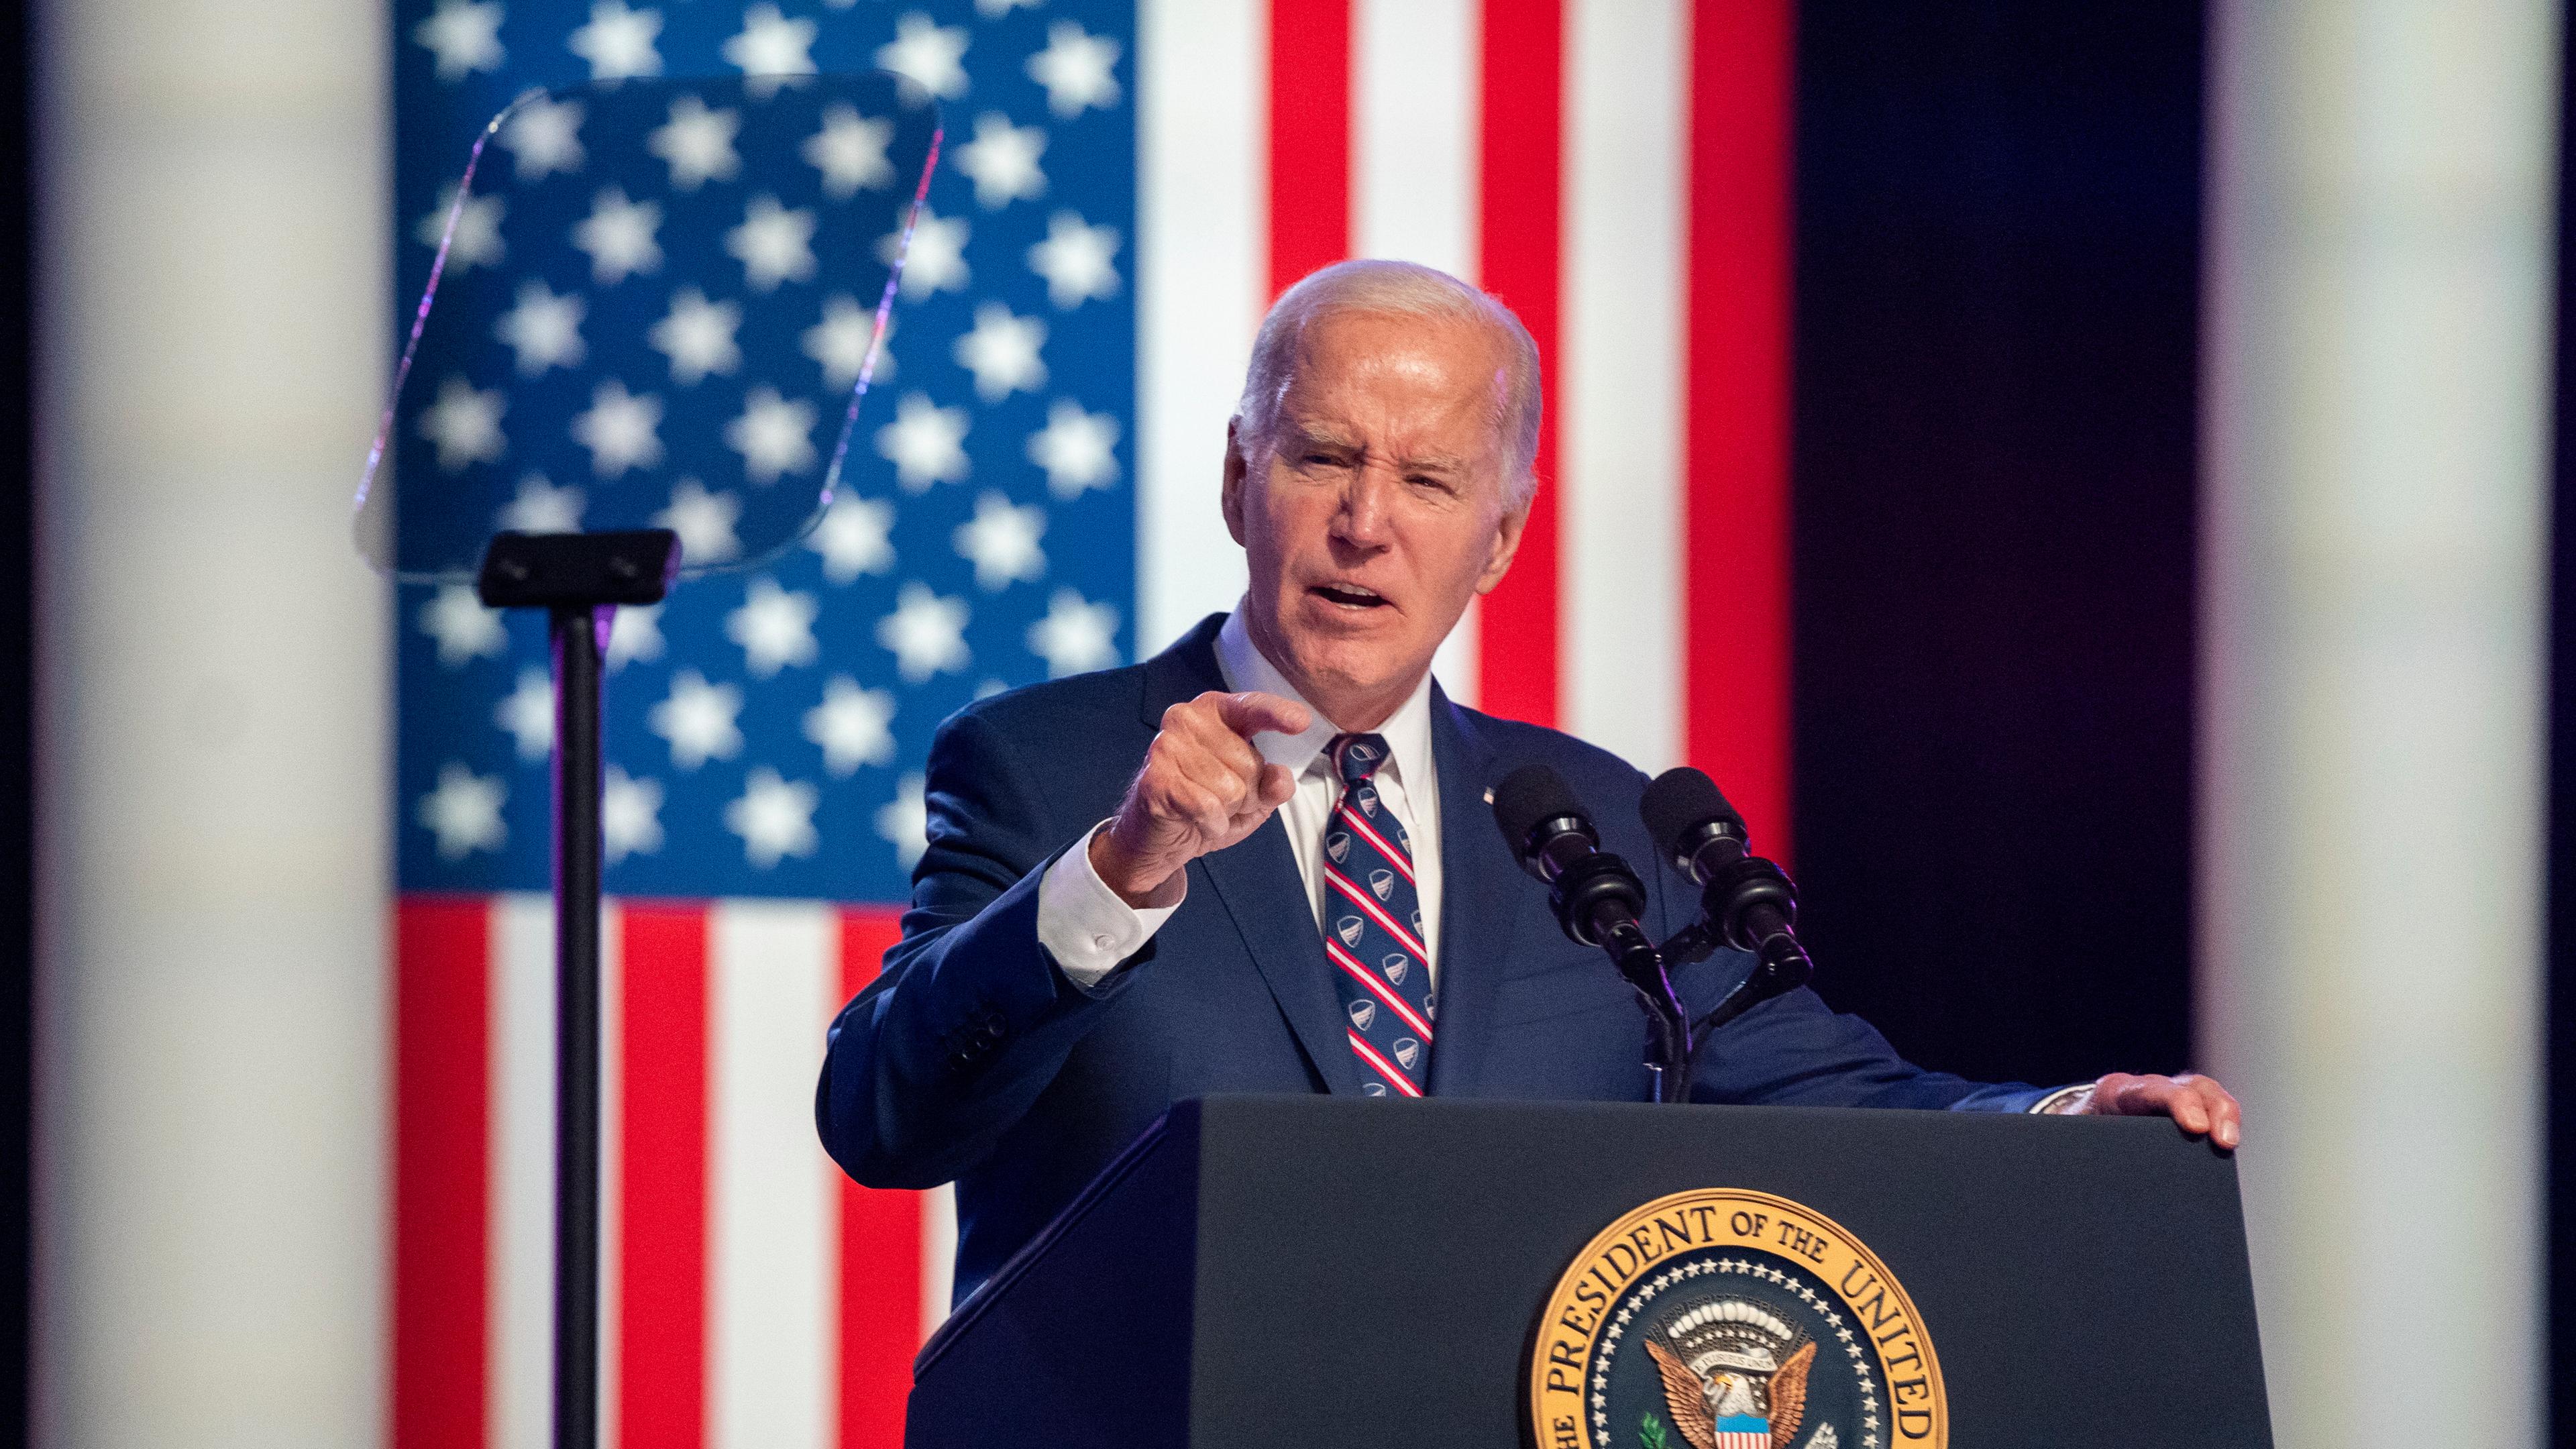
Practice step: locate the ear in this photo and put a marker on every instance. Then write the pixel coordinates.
(1507, 542)
(1238, 470)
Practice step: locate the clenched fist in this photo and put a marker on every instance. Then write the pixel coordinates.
(1202, 789)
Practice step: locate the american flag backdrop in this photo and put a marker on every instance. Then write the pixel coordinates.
(1031, 492)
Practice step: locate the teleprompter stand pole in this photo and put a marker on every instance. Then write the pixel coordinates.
(579, 579)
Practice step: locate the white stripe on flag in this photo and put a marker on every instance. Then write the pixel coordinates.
(520, 1382)
(1414, 156)
(1413, 132)
(1619, 384)
(773, 1212)
(1199, 270)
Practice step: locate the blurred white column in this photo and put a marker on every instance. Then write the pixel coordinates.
(2379, 287)
(212, 797)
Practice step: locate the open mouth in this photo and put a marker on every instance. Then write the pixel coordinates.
(1349, 596)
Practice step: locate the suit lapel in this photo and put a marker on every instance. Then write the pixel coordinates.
(1475, 902)
(1256, 880)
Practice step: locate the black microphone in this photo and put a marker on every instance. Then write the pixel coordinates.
(1594, 892)
(1597, 900)
(1745, 901)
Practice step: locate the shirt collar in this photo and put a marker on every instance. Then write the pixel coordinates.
(1407, 733)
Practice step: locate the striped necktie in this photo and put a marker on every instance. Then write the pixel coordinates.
(1373, 927)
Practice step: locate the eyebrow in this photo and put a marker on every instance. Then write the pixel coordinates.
(1329, 436)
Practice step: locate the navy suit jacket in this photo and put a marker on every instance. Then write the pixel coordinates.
(972, 1058)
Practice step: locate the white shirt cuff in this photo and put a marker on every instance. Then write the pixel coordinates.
(1082, 922)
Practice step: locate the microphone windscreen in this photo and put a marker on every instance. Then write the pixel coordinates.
(1527, 796)
(1680, 799)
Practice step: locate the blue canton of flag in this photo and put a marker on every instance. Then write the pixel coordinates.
(766, 731)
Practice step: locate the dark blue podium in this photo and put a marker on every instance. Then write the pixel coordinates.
(1311, 1271)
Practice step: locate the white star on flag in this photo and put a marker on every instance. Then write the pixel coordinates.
(463, 628)
(465, 35)
(476, 239)
(698, 144)
(1002, 542)
(527, 713)
(464, 812)
(1077, 449)
(543, 136)
(927, 55)
(618, 42)
(925, 442)
(703, 520)
(543, 329)
(904, 821)
(853, 536)
(630, 815)
(1002, 352)
(541, 507)
(1075, 260)
(1074, 68)
(851, 724)
(840, 341)
(697, 335)
(1075, 636)
(850, 151)
(774, 436)
(698, 719)
(618, 234)
(774, 626)
(770, 45)
(620, 430)
(774, 817)
(465, 424)
(636, 633)
(774, 244)
(1002, 160)
(925, 633)
(996, 9)
(934, 260)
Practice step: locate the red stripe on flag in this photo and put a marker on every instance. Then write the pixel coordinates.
(1735, 639)
(442, 1113)
(1520, 201)
(880, 1248)
(1310, 137)
(662, 1239)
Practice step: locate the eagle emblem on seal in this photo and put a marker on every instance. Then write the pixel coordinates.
(1735, 1377)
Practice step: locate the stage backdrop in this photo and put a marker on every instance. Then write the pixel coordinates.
(1126, 186)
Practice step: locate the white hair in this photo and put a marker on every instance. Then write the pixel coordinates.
(1405, 289)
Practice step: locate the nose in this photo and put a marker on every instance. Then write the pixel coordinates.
(1361, 522)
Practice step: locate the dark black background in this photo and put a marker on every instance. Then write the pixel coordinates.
(1998, 236)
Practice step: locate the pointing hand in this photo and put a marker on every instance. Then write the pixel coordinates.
(1203, 787)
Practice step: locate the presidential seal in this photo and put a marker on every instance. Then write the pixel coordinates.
(1729, 1319)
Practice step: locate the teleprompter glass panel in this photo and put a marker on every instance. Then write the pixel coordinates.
(656, 304)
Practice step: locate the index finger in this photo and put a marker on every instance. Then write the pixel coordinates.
(1252, 712)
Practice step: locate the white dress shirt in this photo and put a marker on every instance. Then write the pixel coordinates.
(1089, 930)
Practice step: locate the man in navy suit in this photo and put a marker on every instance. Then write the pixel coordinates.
(1215, 871)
